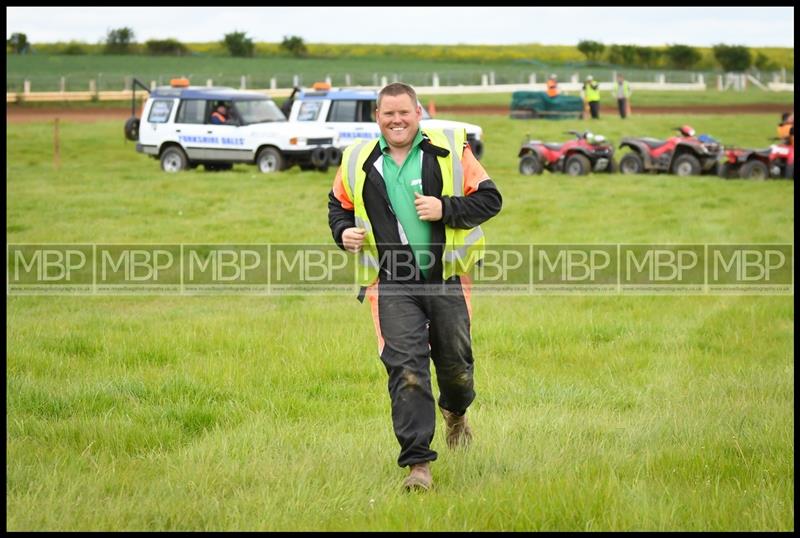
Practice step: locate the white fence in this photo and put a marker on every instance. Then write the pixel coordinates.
(730, 81)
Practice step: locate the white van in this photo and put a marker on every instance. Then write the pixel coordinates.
(176, 128)
(352, 114)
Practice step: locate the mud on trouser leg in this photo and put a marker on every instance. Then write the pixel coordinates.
(405, 354)
(451, 345)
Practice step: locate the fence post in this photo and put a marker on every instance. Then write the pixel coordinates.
(436, 80)
(347, 80)
(295, 81)
(701, 79)
(152, 84)
(384, 81)
(491, 78)
(93, 86)
(532, 78)
(394, 77)
(719, 83)
(273, 83)
(63, 84)
(484, 80)
(328, 79)
(243, 83)
(209, 82)
(26, 87)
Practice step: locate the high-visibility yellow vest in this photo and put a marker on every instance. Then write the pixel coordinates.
(626, 89)
(592, 93)
(462, 249)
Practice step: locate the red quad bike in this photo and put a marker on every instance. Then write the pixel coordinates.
(587, 153)
(776, 161)
(683, 155)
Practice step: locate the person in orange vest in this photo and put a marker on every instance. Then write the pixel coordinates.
(220, 115)
(552, 86)
(786, 127)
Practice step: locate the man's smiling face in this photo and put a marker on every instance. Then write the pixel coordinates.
(398, 118)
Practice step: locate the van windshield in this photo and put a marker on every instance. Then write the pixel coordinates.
(259, 111)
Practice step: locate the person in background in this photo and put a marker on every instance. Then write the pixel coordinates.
(220, 115)
(552, 85)
(786, 127)
(623, 94)
(591, 96)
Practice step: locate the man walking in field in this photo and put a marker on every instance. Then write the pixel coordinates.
(623, 95)
(410, 204)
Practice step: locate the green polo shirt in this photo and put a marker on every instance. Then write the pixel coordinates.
(401, 183)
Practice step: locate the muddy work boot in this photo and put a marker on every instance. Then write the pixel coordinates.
(458, 432)
(420, 478)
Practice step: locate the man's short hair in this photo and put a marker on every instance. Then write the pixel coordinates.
(397, 88)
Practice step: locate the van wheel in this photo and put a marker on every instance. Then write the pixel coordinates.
(334, 156)
(319, 157)
(477, 148)
(269, 160)
(173, 159)
(132, 128)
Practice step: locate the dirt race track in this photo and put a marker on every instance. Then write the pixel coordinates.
(17, 114)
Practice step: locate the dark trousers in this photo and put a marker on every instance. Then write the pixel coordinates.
(594, 107)
(623, 107)
(415, 326)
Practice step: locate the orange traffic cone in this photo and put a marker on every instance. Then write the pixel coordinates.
(431, 108)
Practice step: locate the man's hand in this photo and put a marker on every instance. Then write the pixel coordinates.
(429, 208)
(352, 238)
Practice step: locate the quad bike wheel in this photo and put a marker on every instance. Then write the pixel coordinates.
(631, 164)
(530, 165)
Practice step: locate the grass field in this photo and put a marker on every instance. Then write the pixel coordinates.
(454, 65)
(271, 413)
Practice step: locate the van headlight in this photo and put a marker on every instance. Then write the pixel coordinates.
(298, 141)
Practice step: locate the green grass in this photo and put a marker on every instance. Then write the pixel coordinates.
(271, 413)
(366, 65)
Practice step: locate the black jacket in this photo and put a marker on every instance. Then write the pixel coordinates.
(457, 212)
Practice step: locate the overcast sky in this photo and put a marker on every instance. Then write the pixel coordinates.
(750, 26)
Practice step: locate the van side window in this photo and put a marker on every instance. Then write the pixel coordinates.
(309, 110)
(191, 111)
(367, 111)
(160, 110)
(343, 111)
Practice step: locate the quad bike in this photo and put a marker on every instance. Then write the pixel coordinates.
(683, 155)
(586, 153)
(776, 161)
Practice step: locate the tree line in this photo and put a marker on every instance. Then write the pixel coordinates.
(123, 41)
(238, 44)
(677, 56)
